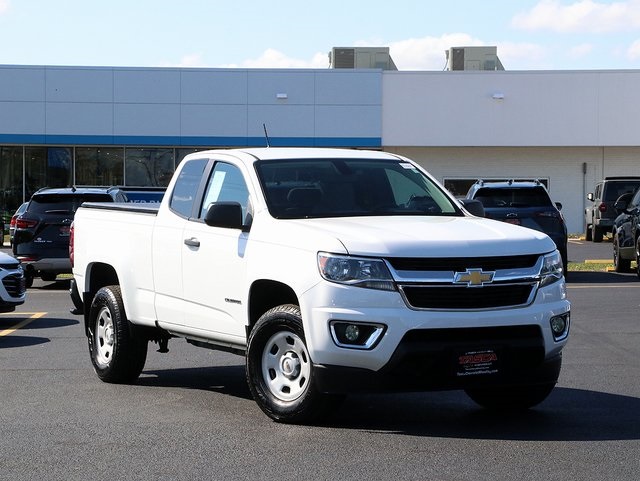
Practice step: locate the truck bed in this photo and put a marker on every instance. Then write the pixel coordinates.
(148, 208)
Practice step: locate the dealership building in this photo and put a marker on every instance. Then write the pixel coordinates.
(63, 126)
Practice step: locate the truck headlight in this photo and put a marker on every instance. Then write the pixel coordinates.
(551, 270)
(355, 271)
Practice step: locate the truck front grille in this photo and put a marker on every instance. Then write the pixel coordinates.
(467, 283)
(462, 297)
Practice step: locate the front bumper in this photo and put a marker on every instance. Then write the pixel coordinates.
(427, 361)
(426, 340)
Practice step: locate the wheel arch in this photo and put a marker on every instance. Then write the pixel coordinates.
(98, 275)
(266, 294)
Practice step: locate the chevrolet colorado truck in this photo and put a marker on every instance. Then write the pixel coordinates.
(332, 271)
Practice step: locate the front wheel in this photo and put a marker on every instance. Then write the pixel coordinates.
(117, 356)
(279, 371)
(510, 397)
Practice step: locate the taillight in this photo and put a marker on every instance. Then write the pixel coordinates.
(13, 221)
(71, 244)
(602, 207)
(22, 223)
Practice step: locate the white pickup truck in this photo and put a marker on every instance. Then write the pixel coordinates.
(332, 271)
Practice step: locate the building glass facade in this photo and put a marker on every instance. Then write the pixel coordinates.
(25, 169)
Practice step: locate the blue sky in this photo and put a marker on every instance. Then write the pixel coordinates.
(529, 34)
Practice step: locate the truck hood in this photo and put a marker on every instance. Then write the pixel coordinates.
(420, 236)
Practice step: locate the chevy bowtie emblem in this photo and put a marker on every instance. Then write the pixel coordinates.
(473, 277)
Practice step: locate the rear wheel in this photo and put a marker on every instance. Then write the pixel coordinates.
(280, 372)
(598, 234)
(621, 265)
(117, 356)
(587, 234)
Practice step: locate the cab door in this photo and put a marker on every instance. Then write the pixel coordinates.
(213, 260)
(168, 242)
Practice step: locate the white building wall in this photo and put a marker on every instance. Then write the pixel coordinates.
(589, 108)
(562, 166)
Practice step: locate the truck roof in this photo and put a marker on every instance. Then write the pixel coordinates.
(269, 153)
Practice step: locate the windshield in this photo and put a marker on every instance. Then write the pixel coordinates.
(349, 187)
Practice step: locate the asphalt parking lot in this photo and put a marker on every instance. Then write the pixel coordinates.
(191, 416)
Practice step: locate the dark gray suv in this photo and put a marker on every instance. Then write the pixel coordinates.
(41, 236)
(523, 203)
(599, 216)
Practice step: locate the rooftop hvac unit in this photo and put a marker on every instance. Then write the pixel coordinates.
(473, 58)
(361, 57)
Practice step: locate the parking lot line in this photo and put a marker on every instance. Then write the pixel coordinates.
(33, 316)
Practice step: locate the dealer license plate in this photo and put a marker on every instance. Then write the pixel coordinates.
(478, 362)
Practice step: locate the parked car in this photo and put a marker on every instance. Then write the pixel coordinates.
(526, 204)
(626, 233)
(12, 283)
(14, 217)
(41, 236)
(41, 233)
(599, 216)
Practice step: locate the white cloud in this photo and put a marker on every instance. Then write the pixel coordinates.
(633, 52)
(428, 53)
(522, 56)
(4, 6)
(272, 58)
(579, 51)
(580, 16)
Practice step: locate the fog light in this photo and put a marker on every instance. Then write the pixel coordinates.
(352, 332)
(560, 326)
(356, 336)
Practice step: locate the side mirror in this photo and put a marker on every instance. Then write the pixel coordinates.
(224, 214)
(473, 206)
(590, 196)
(559, 205)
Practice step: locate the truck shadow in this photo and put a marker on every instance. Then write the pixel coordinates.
(228, 380)
(567, 415)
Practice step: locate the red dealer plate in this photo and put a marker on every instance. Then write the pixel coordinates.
(477, 362)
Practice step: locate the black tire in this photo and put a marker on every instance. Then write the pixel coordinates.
(28, 278)
(598, 234)
(512, 398)
(280, 371)
(116, 355)
(620, 265)
(587, 234)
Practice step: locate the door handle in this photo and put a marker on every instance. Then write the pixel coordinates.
(192, 242)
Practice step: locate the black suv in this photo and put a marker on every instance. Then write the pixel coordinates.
(600, 215)
(41, 237)
(523, 203)
(626, 232)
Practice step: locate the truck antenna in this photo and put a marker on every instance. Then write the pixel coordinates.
(266, 134)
